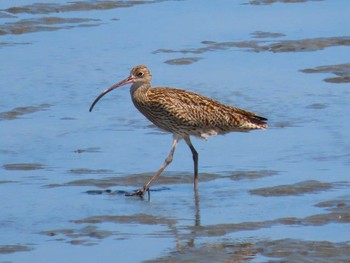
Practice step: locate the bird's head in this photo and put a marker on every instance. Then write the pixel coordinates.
(139, 74)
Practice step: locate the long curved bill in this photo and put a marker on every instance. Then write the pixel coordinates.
(128, 80)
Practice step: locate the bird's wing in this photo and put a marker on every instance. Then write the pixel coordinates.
(194, 111)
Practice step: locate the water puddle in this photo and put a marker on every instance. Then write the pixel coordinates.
(281, 195)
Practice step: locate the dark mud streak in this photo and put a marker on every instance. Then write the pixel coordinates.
(262, 34)
(9, 249)
(143, 219)
(226, 251)
(295, 250)
(305, 187)
(301, 45)
(90, 233)
(317, 106)
(342, 71)
(168, 178)
(45, 24)
(188, 250)
(340, 217)
(283, 250)
(6, 15)
(20, 111)
(88, 150)
(23, 166)
(8, 182)
(10, 44)
(251, 175)
(182, 61)
(47, 8)
(90, 171)
(86, 235)
(335, 205)
(269, 2)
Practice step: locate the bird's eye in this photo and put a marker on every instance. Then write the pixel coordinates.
(139, 74)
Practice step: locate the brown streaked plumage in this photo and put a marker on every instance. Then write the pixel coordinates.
(183, 113)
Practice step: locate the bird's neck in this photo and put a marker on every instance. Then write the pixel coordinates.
(138, 91)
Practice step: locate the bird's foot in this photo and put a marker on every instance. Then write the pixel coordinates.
(139, 192)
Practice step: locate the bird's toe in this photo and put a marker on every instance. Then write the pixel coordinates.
(138, 192)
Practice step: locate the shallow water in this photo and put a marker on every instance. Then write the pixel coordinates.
(279, 195)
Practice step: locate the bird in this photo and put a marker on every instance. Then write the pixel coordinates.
(184, 114)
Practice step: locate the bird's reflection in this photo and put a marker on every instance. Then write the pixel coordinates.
(197, 215)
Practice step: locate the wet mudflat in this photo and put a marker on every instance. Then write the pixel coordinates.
(279, 195)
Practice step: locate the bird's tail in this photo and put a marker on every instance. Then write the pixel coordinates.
(259, 122)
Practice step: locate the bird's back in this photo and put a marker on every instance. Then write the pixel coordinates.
(187, 113)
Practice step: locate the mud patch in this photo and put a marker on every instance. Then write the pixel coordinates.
(339, 205)
(182, 61)
(9, 249)
(47, 8)
(317, 106)
(91, 232)
(262, 34)
(168, 178)
(283, 250)
(6, 15)
(211, 252)
(300, 45)
(269, 2)
(136, 180)
(10, 44)
(305, 187)
(88, 150)
(143, 219)
(341, 217)
(83, 236)
(90, 171)
(251, 175)
(23, 166)
(20, 111)
(296, 250)
(8, 182)
(342, 72)
(45, 24)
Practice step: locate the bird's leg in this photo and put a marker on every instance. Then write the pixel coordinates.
(167, 161)
(195, 161)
